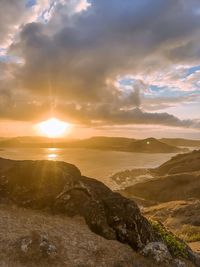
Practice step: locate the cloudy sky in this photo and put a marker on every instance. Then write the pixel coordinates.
(117, 67)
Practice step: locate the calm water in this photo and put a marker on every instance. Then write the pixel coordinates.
(92, 163)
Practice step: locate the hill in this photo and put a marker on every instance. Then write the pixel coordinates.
(181, 172)
(187, 162)
(149, 145)
(171, 195)
(152, 145)
(30, 141)
(181, 142)
(184, 186)
(99, 142)
(104, 143)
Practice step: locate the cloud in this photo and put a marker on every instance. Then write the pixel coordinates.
(90, 115)
(11, 12)
(15, 14)
(107, 115)
(75, 51)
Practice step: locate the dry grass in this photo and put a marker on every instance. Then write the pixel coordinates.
(77, 246)
(180, 217)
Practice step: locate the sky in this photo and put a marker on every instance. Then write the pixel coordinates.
(116, 68)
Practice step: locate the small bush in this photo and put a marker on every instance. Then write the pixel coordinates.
(175, 246)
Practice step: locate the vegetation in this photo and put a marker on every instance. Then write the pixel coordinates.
(189, 233)
(175, 246)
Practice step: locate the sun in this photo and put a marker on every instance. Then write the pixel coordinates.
(53, 128)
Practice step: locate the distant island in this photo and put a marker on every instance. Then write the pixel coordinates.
(148, 145)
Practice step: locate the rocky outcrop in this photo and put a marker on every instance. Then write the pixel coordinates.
(60, 188)
(158, 251)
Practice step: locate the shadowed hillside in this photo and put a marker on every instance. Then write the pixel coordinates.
(163, 189)
(187, 162)
(181, 173)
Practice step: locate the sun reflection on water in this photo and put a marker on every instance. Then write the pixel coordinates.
(52, 149)
(52, 155)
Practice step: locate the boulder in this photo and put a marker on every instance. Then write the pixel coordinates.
(60, 188)
(179, 263)
(36, 247)
(158, 251)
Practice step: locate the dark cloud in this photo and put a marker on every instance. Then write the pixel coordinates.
(111, 38)
(107, 115)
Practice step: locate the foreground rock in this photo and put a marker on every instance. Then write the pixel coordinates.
(36, 246)
(158, 251)
(59, 187)
(39, 239)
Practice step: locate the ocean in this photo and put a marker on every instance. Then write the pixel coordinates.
(92, 163)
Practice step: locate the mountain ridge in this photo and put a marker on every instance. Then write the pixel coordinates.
(148, 145)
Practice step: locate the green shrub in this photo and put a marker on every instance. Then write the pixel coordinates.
(175, 246)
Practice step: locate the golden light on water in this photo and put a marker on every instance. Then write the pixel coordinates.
(53, 128)
(52, 149)
(52, 153)
(52, 156)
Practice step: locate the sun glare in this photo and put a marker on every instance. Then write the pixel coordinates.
(53, 128)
